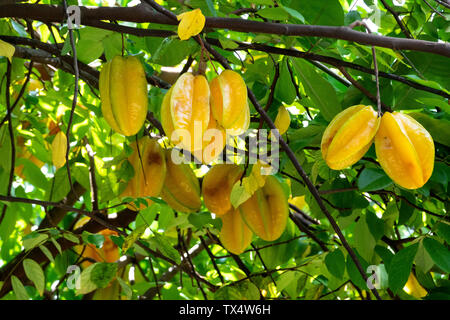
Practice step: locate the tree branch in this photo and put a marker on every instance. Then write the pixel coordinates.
(397, 18)
(142, 13)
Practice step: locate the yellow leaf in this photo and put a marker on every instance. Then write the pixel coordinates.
(256, 179)
(59, 149)
(191, 23)
(7, 50)
(299, 202)
(283, 120)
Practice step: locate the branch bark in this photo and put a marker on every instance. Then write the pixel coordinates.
(142, 13)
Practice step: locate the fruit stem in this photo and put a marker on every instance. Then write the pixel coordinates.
(375, 64)
(204, 50)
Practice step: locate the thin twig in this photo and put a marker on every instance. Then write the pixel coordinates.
(434, 9)
(271, 90)
(92, 179)
(397, 18)
(75, 96)
(191, 264)
(444, 3)
(375, 64)
(21, 92)
(362, 89)
(213, 260)
(11, 138)
(263, 263)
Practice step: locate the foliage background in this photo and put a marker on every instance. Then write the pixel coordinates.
(396, 229)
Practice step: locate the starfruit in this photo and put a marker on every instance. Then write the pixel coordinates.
(217, 185)
(405, 150)
(149, 164)
(181, 189)
(235, 235)
(267, 210)
(229, 103)
(123, 93)
(348, 136)
(109, 252)
(185, 111)
(214, 141)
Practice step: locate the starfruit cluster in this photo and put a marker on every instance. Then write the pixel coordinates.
(181, 189)
(403, 146)
(157, 175)
(149, 163)
(123, 94)
(264, 214)
(197, 115)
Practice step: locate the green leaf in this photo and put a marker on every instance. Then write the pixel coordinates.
(438, 128)
(71, 237)
(406, 210)
(56, 244)
(147, 215)
(80, 172)
(19, 289)
(441, 174)
(133, 237)
(376, 225)
(324, 12)
(335, 262)
(288, 282)
(276, 13)
(430, 66)
(400, 267)
(34, 239)
(112, 45)
(86, 285)
(47, 253)
(95, 239)
(318, 89)
(61, 185)
(33, 174)
(164, 246)
(372, 179)
(263, 2)
(353, 271)
(9, 220)
(102, 273)
(238, 195)
(126, 289)
(364, 242)
(244, 290)
(227, 43)
(423, 260)
(35, 273)
(90, 44)
(443, 230)
(284, 89)
(201, 219)
(166, 216)
(439, 253)
(172, 51)
(294, 13)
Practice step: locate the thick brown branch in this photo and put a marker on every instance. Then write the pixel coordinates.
(143, 13)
